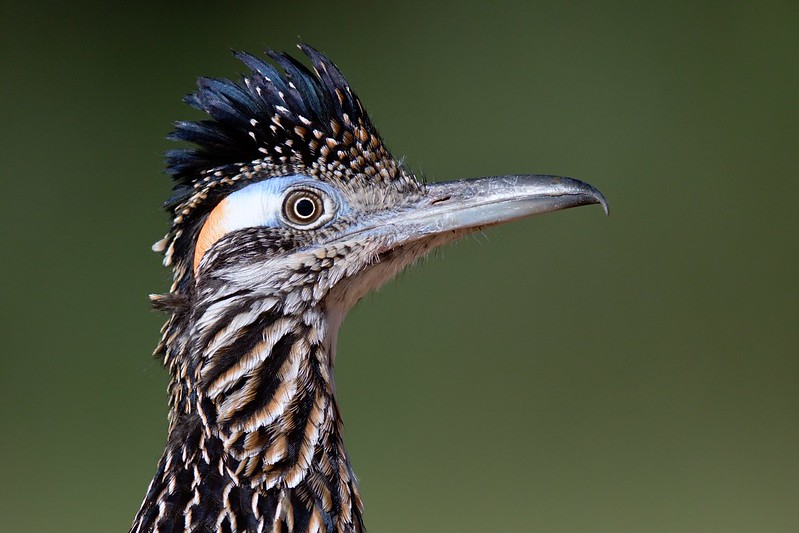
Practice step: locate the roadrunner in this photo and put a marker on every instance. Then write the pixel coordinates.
(286, 211)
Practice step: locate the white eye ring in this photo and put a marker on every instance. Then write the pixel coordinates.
(307, 208)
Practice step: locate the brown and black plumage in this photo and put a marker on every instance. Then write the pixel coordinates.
(287, 210)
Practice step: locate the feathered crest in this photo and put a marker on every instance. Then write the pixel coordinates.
(281, 116)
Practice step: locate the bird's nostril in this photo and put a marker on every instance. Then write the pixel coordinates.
(440, 200)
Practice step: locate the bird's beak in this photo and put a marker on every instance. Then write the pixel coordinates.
(456, 208)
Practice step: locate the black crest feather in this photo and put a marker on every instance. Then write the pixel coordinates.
(248, 119)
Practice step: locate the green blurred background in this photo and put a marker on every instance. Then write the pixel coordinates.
(569, 373)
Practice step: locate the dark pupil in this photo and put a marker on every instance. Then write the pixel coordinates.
(304, 207)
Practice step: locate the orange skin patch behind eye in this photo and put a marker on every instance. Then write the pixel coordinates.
(213, 230)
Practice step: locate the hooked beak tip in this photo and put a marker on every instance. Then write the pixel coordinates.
(601, 200)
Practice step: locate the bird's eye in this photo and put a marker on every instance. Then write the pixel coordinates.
(304, 208)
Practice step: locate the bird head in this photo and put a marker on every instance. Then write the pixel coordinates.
(290, 192)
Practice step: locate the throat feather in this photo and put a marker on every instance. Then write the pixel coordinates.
(264, 426)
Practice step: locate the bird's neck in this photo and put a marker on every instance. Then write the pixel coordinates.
(255, 434)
